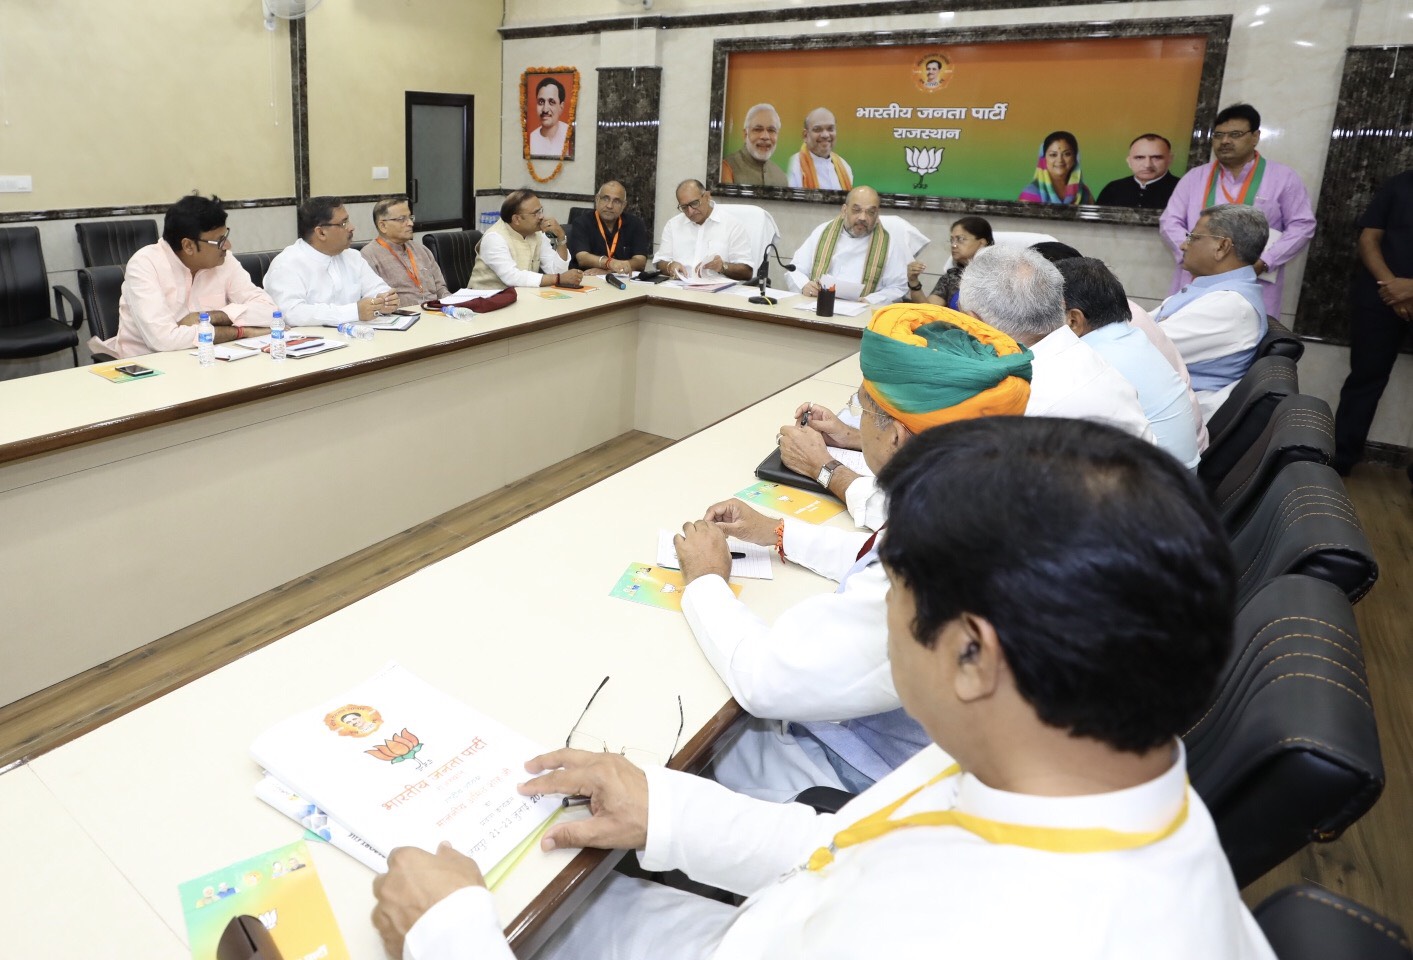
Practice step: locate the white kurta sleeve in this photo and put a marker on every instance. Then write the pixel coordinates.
(866, 503)
(369, 283)
(1215, 325)
(825, 550)
(825, 658)
(496, 255)
(461, 926)
(550, 259)
(803, 259)
(288, 286)
(738, 246)
(723, 838)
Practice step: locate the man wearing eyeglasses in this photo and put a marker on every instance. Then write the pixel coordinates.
(407, 266)
(168, 284)
(612, 240)
(522, 248)
(1239, 174)
(317, 280)
(856, 248)
(700, 239)
(1217, 320)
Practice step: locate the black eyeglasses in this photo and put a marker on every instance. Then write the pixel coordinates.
(684, 207)
(224, 239)
(643, 758)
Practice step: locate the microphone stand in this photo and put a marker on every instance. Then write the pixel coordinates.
(763, 275)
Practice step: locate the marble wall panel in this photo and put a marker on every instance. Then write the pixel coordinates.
(628, 121)
(1372, 141)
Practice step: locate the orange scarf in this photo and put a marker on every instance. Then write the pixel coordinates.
(810, 180)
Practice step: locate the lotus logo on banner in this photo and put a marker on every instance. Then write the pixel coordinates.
(922, 161)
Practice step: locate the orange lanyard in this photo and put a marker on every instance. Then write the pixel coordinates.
(411, 271)
(1054, 839)
(610, 247)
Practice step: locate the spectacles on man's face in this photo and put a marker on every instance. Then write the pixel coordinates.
(407, 219)
(692, 205)
(224, 240)
(1210, 236)
(344, 224)
(1231, 134)
(608, 201)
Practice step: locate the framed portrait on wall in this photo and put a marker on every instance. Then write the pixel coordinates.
(548, 97)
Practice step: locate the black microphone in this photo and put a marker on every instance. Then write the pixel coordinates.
(764, 273)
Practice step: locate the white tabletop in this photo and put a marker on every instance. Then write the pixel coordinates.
(519, 625)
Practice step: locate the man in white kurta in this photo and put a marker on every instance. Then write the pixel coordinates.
(816, 166)
(859, 250)
(318, 281)
(522, 248)
(1021, 293)
(700, 240)
(1012, 836)
(1217, 320)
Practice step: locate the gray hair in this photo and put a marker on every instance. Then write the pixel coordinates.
(1016, 290)
(761, 108)
(1245, 226)
(384, 205)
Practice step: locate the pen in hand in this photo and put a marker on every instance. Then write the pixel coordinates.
(805, 417)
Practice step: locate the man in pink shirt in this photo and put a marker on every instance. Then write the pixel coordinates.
(168, 284)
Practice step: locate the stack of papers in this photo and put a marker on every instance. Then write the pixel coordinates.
(395, 762)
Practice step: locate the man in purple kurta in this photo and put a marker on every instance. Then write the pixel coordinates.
(1239, 174)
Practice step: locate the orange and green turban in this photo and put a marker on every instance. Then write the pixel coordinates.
(926, 365)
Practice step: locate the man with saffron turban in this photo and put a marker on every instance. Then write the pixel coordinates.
(853, 247)
(825, 660)
(817, 166)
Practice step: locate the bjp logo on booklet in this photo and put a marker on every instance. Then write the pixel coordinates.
(402, 746)
(353, 720)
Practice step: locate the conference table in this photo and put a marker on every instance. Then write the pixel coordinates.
(162, 501)
(520, 625)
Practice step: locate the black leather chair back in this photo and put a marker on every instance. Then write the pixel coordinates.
(1305, 523)
(109, 242)
(24, 284)
(1288, 752)
(455, 251)
(1238, 423)
(256, 264)
(1307, 922)
(360, 244)
(1280, 341)
(101, 288)
(1301, 428)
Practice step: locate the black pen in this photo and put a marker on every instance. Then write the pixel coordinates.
(805, 417)
(737, 555)
(574, 801)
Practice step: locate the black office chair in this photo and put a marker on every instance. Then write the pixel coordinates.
(1305, 523)
(360, 244)
(455, 252)
(101, 289)
(1280, 341)
(27, 328)
(1306, 922)
(1239, 421)
(112, 242)
(257, 264)
(1288, 752)
(1301, 428)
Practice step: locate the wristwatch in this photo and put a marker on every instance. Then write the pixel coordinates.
(911, 287)
(826, 473)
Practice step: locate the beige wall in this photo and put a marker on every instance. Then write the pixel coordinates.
(115, 102)
(363, 56)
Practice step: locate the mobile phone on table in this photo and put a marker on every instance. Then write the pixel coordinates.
(135, 370)
(407, 312)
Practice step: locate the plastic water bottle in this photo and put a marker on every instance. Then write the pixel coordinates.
(459, 313)
(277, 337)
(205, 341)
(356, 331)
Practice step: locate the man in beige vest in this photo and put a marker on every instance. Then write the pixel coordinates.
(522, 249)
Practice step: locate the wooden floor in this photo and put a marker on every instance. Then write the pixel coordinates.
(1372, 862)
(67, 710)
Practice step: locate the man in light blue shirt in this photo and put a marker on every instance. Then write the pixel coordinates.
(1096, 309)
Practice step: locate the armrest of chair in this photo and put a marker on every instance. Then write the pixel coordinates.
(60, 295)
(824, 799)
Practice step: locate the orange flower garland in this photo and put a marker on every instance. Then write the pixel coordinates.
(570, 103)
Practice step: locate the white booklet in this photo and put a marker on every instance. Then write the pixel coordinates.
(398, 762)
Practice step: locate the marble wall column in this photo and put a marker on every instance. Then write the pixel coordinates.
(1370, 143)
(626, 149)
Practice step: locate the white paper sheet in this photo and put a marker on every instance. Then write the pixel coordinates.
(842, 308)
(755, 565)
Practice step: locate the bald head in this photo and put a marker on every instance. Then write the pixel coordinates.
(819, 132)
(860, 211)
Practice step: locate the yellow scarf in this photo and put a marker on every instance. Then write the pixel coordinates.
(810, 180)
